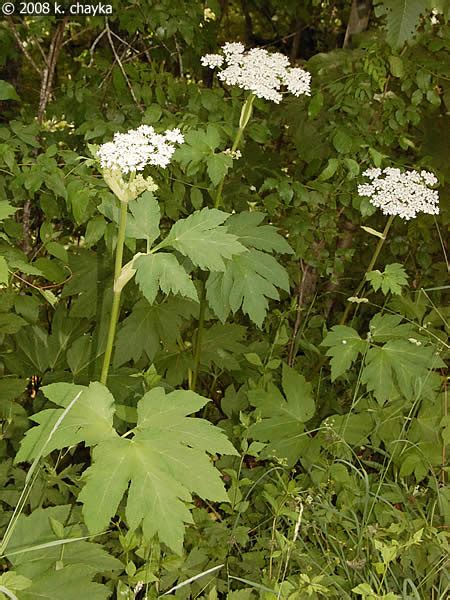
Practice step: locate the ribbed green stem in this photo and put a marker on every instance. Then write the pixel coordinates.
(244, 119)
(117, 293)
(198, 339)
(373, 260)
(246, 113)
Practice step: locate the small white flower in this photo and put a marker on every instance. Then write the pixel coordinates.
(258, 71)
(212, 60)
(132, 151)
(403, 194)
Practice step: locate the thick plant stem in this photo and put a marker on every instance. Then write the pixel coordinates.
(117, 292)
(244, 119)
(246, 113)
(373, 260)
(198, 339)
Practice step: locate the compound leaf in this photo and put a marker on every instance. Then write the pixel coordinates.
(391, 280)
(248, 281)
(202, 238)
(162, 270)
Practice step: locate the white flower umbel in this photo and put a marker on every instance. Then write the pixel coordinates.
(132, 151)
(403, 194)
(262, 73)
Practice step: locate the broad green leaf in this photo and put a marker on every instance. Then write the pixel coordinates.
(222, 346)
(282, 419)
(398, 364)
(402, 19)
(342, 141)
(6, 209)
(248, 281)
(143, 223)
(396, 66)
(89, 420)
(11, 323)
(345, 345)
(37, 529)
(147, 327)
(202, 238)
(163, 463)
(246, 226)
(69, 583)
(162, 270)
(7, 91)
(167, 414)
(13, 582)
(387, 327)
(392, 280)
(218, 166)
(353, 428)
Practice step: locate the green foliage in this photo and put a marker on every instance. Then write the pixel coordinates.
(402, 18)
(345, 345)
(282, 419)
(340, 487)
(203, 240)
(252, 277)
(163, 270)
(391, 280)
(164, 463)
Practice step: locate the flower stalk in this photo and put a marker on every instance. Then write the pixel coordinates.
(246, 113)
(117, 291)
(372, 262)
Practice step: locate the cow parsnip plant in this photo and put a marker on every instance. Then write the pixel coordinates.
(223, 362)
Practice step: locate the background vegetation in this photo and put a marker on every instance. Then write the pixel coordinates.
(337, 487)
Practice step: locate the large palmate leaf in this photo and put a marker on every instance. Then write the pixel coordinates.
(162, 270)
(88, 420)
(345, 345)
(402, 18)
(148, 328)
(399, 364)
(282, 420)
(202, 238)
(69, 583)
(163, 464)
(249, 280)
(57, 572)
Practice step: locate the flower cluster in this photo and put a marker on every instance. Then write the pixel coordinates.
(132, 151)
(403, 194)
(261, 72)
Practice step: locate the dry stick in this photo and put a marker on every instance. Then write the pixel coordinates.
(119, 62)
(21, 45)
(44, 96)
(49, 71)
